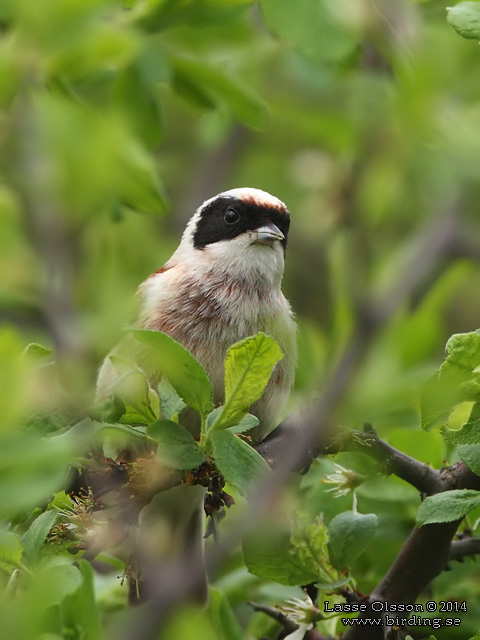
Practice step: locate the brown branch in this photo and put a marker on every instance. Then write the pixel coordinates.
(419, 475)
(276, 615)
(464, 547)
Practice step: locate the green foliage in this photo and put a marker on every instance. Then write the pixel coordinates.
(240, 465)
(168, 358)
(176, 446)
(447, 506)
(248, 368)
(465, 19)
(348, 535)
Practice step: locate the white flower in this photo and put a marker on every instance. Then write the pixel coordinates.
(344, 479)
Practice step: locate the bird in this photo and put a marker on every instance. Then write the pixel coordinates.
(221, 285)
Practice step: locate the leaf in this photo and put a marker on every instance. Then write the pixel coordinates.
(447, 506)
(464, 17)
(310, 543)
(248, 367)
(348, 535)
(470, 454)
(469, 433)
(270, 554)
(34, 538)
(207, 86)
(37, 351)
(80, 609)
(133, 390)
(176, 446)
(246, 423)
(186, 375)
(54, 582)
(123, 431)
(310, 27)
(171, 404)
(11, 550)
(457, 380)
(237, 461)
(223, 617)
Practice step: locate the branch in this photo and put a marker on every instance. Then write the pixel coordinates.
(276, 615)
(464, 547)
(419, 475)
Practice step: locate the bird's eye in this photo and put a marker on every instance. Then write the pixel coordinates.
(231, 216)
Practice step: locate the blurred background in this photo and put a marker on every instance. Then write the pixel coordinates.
(117, 119)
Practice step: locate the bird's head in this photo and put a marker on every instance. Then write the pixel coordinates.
(241, 230)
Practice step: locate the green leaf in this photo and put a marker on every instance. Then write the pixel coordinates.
(237, 461)
(248, 367)
(34, 538)
(470, 454)
(457, 380)
(186, 375)
(310, 542)
(270, 554)
(246, 423)
(207, 86)
(348, 535)
(447, 506)
(133, 390)
(123, 431)
(223, 617)
(171, 404)
(464, 17)
(11, 550)
(469, 433)
(37, 351)
(55, 581)
(80, 610)
(310, 27)
(176, 446)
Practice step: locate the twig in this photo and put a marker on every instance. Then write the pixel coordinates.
(466, 546)
(276, 615)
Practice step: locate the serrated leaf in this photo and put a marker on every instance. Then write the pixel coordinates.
(248, 367)
(176, 446)
(463, 349)
(237, 461)
(270, 554)
(470, 454)
(11, 550)
(447, 506)
(348, 535)
(464, 17)
(248, 421)
(186, 375)
(34, 538)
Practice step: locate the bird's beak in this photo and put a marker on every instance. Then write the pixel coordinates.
(267, 234)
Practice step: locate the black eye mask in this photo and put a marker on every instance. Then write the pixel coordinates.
(227, 217)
